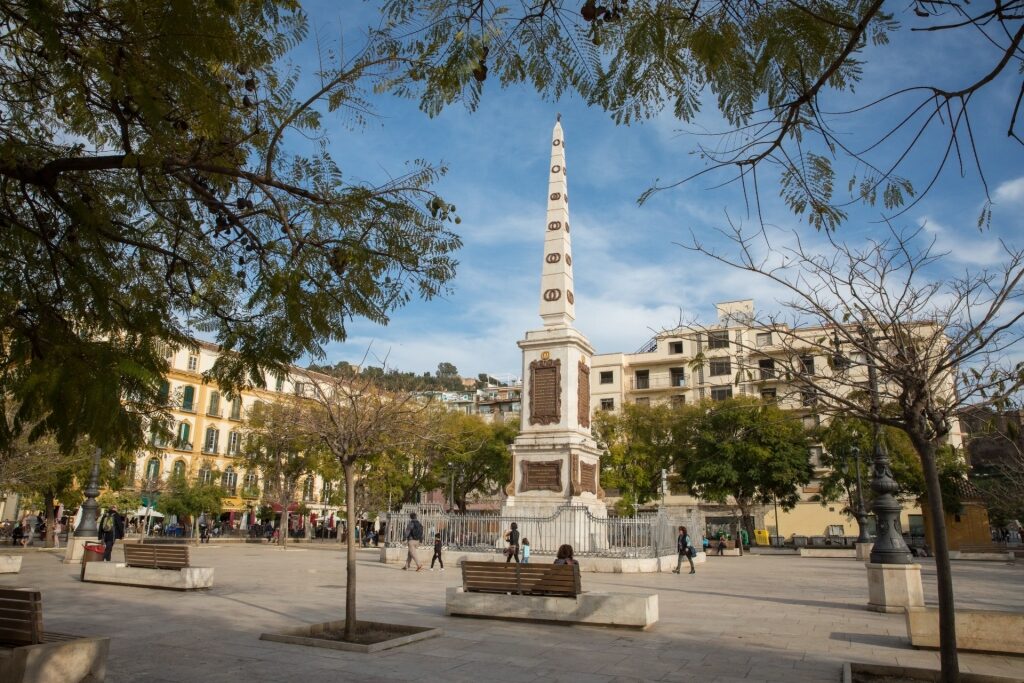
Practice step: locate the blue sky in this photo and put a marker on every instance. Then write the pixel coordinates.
(631, 277)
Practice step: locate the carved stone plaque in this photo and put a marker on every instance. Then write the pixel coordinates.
(574, 474)
(541, 476)
(583, 396)
(545, 392)
(588, 478)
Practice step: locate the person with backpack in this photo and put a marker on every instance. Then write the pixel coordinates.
(685, 549)
(512, 537)
(111, 528)
(412, 537)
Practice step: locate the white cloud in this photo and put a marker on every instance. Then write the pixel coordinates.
(977, 251)
(1011, 191)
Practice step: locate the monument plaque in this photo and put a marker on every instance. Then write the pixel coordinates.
(583, 396)
(588, 478)
(541, 476)
(545, 392)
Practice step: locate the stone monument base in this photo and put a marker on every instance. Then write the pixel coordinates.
(76, 549)
(894, 587)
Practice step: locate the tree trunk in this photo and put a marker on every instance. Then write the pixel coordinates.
(944, 579)
(282, 534)
(350, 555)
(48, 542)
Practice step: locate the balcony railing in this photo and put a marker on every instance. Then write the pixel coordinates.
(641, 383)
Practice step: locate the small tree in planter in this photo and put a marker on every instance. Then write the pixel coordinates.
(186, 498)
(356, 421)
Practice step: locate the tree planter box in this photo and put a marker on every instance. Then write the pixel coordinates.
(61, 659)
(629, 610)
(10, 564)
(319, 635)
(865, 673)
(187, 578)
(976, 630)
(829, 552)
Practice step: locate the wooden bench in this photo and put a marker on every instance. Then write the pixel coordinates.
(156, 556)
(28, 653)
(558, 580)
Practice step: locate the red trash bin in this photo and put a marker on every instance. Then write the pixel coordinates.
(93, 552)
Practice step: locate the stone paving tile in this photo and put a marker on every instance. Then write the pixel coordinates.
(793, 620)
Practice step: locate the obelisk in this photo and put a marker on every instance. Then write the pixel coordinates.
(555, 460)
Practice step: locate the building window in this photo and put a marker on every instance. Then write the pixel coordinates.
(129, 472)
(234, 439)
(279, 384)
(236, 409)
(767, 368)
(677, 376)
(718, 340)
(183, 441)
(326, 492)
(763, 339)
(214, 407)
(720, 367)
(300, 389)
(643, 379)
(816, 457)
(675, 347)
(808, 397)
(157, 436)
(606, 377)
(188, 399)
(210, 442)
(178, 471)
(811, 422)
(679, 400)
(807, 364)
(307, 489)
(769, 395)
(721, 393)
(229, 481)
(205, 475)
(644, 401)
(153, 469)
(193, 363)
(163, 395)
(251, 487)
(607, 404)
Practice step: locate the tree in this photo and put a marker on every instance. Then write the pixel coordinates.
(743, 450)
(784, 76)
(150, 189)
(447, 370)
(638, 445)
(358, 421)
(276, 446)
(187, 498)
(471, 456)
(934, 341)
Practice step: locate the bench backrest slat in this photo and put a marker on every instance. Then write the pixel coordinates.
(522, 579)
(156, 556)
(21, 617)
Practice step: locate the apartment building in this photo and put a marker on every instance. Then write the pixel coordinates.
(206, 439)
(735, 357)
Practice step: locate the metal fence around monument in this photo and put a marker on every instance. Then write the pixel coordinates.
(644, 535)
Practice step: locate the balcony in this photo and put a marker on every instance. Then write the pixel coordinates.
(656, 383)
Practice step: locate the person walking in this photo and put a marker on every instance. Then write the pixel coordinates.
(437, 553)
(512, 537)
(685, 549)
(413, 537)
(111, 528)
(204, 529)
(526, 551)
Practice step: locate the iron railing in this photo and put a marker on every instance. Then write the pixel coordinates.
(641, 536)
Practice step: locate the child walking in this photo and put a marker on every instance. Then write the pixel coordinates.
(526, 551)
(437, 553)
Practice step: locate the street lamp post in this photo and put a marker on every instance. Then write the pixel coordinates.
(87, 526)
(451, 499)
(860, 513)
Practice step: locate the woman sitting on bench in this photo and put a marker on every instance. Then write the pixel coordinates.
(565, 555)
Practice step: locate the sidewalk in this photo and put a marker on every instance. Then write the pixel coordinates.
(738, 619)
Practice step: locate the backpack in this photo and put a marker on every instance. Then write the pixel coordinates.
(417, 530)
(107, 524)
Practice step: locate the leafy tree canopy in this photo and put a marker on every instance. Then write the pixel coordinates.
(638, 444)
(150, 191)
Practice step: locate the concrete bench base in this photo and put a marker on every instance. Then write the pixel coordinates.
(189, 578)
(65, 659)
(994, 556)
(830, 552)
(976, 630)
(632, 610)
(10, 564)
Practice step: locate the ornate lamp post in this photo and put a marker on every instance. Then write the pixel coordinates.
(87, 526)
(860, 513)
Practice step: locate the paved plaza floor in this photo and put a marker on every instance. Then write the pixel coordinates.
(738, 619)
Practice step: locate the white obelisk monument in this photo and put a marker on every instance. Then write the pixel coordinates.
(555, 461)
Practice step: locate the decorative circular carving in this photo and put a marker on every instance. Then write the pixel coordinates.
(545, 355)
(556, 143)
(552, 295)
(555, 225)
(569, 297)
(563, 170)
(553, 258)
(555, 196)
(568, 260)
(556, 168)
